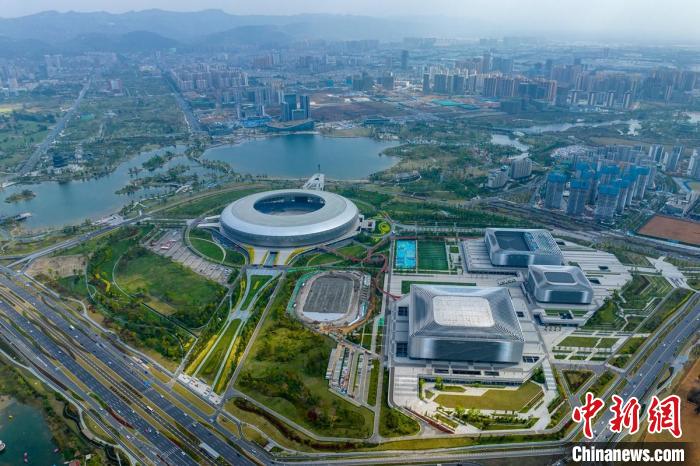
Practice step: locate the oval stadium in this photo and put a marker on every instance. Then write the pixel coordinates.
(289, 218)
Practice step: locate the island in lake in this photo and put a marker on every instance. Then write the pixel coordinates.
(24, 195)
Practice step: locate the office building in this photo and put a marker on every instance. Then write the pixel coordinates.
(305, 105)
(627, 100)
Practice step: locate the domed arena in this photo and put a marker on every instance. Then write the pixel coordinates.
(289, 218)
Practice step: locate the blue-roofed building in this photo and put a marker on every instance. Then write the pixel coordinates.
(642, 174)
(606, 203)
(624, 186)
(578, 193)
(556, 181)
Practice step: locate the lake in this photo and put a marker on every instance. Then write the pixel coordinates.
(299, 155)
(293, 156)
(633, 126)
(58, 204)
(506, 140)
(26, 432)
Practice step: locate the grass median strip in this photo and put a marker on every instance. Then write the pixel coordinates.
(216, 356)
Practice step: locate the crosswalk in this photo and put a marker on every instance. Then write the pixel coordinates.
(549, 379)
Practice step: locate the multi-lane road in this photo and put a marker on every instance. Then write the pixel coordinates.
(641, 383)
(41, 149)
(120, 384)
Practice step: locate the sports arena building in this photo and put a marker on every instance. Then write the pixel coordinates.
(512, 247)
(289, 218)
(559, 284)
(462, 334)
(462, 323)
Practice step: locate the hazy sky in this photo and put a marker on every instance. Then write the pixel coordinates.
(675, 17)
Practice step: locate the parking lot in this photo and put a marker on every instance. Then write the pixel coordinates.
(171, 245)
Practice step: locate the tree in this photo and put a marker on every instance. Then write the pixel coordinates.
(439, 383)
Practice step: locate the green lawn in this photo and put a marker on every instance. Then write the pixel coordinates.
(642, 289)
(606, 318)
(255, 284)
(373, 380)
(581, 342)
(406, 284)
(392, 422)
(576, 379)
(432, 255)
(500, 399)
(626, 256)
(127, 316)
(673, 302)
(286, 372)
(631, 345)
(167, 284)
(206, 204)
(606, 342)
(601, 384)
(218, 354)
(208, 249)
(229, 365)
(353, 250)
(321, 259)
(202, 241)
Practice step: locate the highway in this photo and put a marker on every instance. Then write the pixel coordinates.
(137, 379)
(641, 384)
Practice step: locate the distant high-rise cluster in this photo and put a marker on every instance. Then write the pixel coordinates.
(289, 110)
(607, 178)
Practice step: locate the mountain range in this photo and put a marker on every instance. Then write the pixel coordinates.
(145, 30)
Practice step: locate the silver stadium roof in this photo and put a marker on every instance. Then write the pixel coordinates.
(520, 247)
(559, 284)
(289, 218)
(463, 323)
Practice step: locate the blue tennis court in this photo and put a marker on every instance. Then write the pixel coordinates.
(405, 254)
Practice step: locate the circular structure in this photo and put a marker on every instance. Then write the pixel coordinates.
(289, 218)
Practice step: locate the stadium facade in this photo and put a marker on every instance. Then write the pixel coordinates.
(515, 247)
(289, 218)
(461, 323)
(559, 284)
